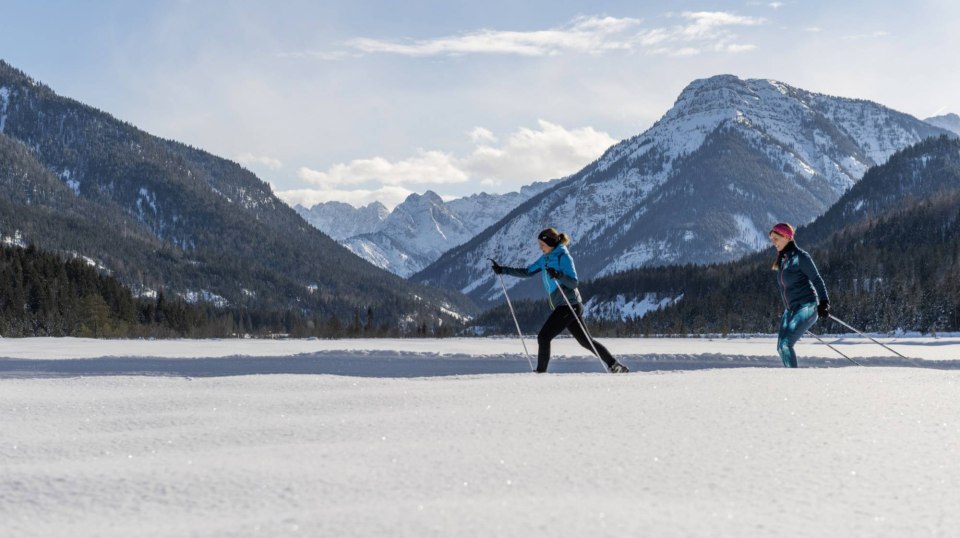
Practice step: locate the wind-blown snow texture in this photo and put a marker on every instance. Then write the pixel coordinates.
(722, 452)
(702, 185)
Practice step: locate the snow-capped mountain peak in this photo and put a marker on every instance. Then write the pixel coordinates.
(340, 220)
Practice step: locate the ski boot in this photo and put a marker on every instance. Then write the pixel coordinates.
(618, 368)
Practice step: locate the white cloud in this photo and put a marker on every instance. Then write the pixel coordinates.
(733, 48)
(536, 154)
(685, 51)
(480, 135)
(427, 167)
(584, 35)
(548, 151)
(249, 159)
(705, 24)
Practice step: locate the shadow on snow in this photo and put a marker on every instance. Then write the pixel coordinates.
(402, 365)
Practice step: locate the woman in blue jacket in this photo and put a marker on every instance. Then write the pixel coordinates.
(556, 266)
(801, 287)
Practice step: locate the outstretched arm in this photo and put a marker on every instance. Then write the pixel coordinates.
(520, 272)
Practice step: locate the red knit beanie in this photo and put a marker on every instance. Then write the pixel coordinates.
(784, 229)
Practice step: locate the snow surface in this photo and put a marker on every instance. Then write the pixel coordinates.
(196, 438)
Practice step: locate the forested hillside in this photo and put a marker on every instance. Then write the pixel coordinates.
(159, 215)
(42, 294)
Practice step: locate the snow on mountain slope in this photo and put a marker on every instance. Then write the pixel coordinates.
(340, 220)
(418, 230)
(701, 185)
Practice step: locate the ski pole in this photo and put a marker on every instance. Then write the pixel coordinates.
(841, 322)
(835, 349)
(515, 322)
(582, 324)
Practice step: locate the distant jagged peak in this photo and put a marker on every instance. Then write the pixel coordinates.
(949, 117)
(950, 121)
(374, 206)
(428, 197)
(330, 204)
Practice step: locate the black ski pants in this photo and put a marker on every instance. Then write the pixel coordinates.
(563, 318)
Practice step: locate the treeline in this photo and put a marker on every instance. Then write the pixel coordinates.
(899, 272)
(44, 295)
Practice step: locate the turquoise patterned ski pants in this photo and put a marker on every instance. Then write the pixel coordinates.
(793, 325)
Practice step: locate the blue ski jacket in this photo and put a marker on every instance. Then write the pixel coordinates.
(560, 260)
(798, 279)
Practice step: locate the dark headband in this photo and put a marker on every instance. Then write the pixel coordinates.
(550, 241)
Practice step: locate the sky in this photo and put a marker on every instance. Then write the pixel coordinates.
(360, 101)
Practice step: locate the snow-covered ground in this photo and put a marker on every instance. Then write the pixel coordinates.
(709, 437)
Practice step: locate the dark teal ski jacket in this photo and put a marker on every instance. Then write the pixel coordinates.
(560, 260)
(798, 279)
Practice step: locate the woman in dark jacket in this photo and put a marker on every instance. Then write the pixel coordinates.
(802, 289)
(556, 266)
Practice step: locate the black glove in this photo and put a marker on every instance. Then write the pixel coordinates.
(553, 272)
(496, 267)
(823, 309)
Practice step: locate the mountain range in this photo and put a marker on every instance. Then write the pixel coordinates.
(340, 220)
(162, 215)
(417, 231)
(702, 185)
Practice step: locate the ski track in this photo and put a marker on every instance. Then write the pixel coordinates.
(704, 444)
